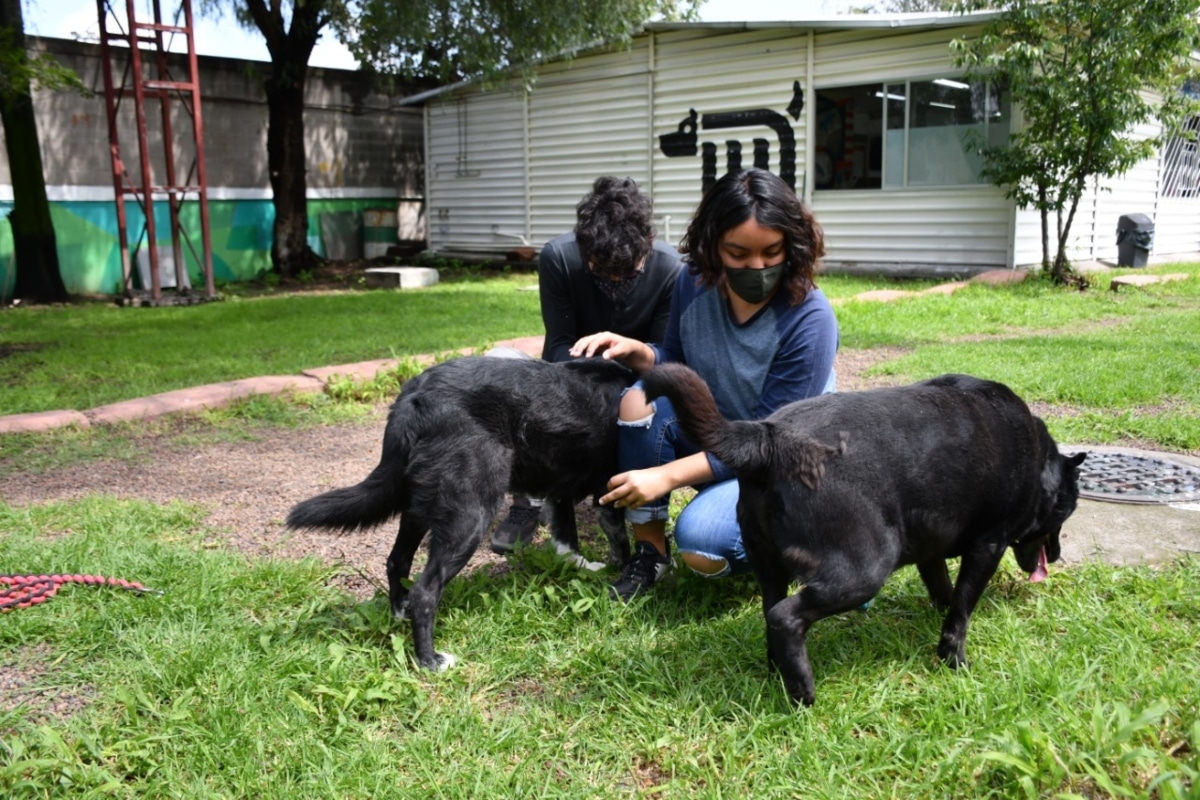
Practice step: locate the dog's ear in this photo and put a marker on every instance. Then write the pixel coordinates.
(1059, 470)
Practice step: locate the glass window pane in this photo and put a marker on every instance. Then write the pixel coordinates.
(895, 97)
(849, 144)
(999, 116)
(944, 114)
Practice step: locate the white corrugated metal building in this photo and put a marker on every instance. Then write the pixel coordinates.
(864, 113)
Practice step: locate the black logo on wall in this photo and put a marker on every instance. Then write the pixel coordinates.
(684, 142)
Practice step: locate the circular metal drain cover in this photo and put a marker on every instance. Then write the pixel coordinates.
(1127, 478)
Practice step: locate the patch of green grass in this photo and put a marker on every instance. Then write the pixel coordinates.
(1136, 362)
(1172, 430)
(1114, 365)
(255, 678)
(1119, 366)
(84, 356)
(1030, 307)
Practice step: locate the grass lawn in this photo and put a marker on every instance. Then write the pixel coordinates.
(80, 357)
(259, 678)
(256, 679)
(1103, 367)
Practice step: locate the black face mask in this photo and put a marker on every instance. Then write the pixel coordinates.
(618, 288)
(754, 285)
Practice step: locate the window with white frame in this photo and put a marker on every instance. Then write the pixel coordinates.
(906, 133)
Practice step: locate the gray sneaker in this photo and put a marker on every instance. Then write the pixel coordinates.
(646, 568)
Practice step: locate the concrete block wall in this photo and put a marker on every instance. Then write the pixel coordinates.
(363, 151)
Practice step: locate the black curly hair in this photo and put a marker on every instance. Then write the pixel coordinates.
(736, 197)
(613, 228)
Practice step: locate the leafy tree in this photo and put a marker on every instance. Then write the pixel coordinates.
(39, 279)
(906, 7)
(1085, 74)
(448, 40)
(416, 39)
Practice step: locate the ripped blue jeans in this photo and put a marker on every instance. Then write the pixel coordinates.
(708, 525)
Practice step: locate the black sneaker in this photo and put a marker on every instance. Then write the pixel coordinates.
(646, 568)
(517, 528)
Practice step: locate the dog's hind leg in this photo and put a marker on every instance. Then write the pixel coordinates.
(787, 628)
(452, 543)
(564, 533)
(977, 568)
(399, 562)
(612, 522)
(773, 582)
(936, 578)
(842, 584)
(773, 572)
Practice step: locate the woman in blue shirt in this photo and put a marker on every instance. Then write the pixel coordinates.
(747, 316)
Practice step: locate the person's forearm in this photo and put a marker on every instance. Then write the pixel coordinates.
(641, 359)
(688, 471)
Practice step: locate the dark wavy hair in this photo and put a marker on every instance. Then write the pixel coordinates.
(757, 193)
(614, 227)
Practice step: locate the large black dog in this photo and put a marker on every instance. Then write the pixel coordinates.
(839, 491)
(460, 434)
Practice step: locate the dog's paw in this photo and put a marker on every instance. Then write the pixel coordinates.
(576, 559)
(952, 656)
(445, 661)
(801, 695)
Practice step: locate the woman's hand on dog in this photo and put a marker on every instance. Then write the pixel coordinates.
(636, 355)
(636, 487)
(639, 486)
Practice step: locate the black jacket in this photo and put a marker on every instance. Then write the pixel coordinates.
(572, 306)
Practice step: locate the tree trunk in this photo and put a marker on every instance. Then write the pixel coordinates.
(291, 46)
(1062, 267)
(1045, 214)
(1063, 274)
(38, 277)
(290, 253)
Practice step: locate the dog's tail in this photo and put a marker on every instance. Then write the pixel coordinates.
(748, 448)
(743, 446)
(350, 508)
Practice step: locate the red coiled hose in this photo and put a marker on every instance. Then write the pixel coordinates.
(23, 591)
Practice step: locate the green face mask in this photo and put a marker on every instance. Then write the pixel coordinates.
(754, 285)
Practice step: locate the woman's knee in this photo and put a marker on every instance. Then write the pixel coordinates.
(707, 533)
(634, 406)
(706, 566)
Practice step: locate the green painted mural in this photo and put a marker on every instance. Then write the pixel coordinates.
(90, 257)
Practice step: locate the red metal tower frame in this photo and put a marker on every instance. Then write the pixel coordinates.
(146, 75)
